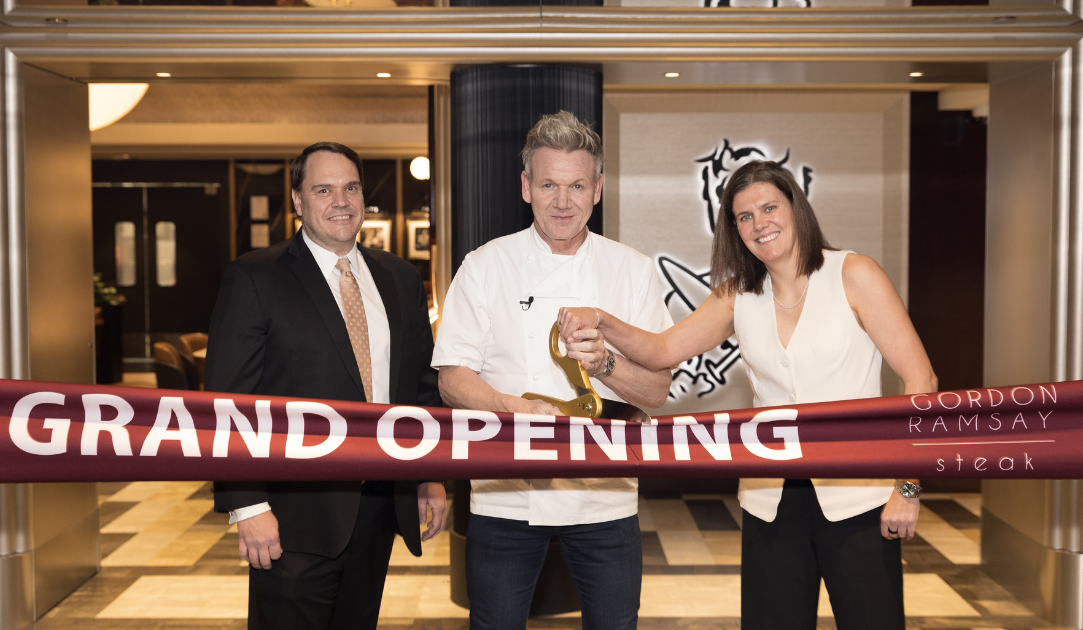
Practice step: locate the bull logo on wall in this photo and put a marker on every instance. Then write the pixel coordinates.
(703, 374)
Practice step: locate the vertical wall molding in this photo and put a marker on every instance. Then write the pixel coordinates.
(16, 360)
(440, 174)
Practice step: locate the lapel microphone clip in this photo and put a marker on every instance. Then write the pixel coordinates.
(527, 302)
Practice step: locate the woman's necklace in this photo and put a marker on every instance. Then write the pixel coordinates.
(795, 303)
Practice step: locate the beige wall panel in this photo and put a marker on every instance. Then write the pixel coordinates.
(1018, 262)
(58, 229)
(1019, 226)
(854, 144)
(60, 305)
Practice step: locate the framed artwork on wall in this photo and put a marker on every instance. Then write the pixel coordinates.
(417, 239)
(375, 233)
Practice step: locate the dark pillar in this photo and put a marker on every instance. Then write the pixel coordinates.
(492, 109)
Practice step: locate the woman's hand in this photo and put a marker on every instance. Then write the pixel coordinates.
(899, 518)
(573, 319)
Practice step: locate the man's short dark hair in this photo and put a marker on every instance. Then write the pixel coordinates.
(297, 168)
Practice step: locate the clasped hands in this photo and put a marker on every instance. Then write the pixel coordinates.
(578, 328)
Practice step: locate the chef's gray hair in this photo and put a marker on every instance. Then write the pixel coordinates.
(563, 132)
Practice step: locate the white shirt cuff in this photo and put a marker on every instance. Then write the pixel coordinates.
(245, 513)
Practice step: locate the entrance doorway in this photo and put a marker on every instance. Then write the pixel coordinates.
(163, 244)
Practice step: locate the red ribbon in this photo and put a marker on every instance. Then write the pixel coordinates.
(66, 432)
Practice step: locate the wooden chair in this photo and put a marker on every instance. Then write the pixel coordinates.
(170, 368)
(192, 341)
(189, 345)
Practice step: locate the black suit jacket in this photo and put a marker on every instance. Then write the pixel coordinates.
(277, 330)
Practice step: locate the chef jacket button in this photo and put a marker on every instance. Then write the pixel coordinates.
(593, 296)
(792, 397)
(531, 335)
(530, 257)
(537, 377)
(785, 364)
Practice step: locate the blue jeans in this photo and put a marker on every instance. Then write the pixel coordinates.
(504, 558)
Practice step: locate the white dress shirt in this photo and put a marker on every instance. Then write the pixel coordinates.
(379, 334)
(485, 327)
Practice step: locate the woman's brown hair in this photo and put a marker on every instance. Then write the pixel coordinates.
(733, 267)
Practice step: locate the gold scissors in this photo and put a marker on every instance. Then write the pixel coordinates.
(588, 404)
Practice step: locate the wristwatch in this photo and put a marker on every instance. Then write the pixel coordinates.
(610, 363)
(908, 489)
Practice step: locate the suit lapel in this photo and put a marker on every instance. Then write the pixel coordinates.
(385, 284)
(306, 269)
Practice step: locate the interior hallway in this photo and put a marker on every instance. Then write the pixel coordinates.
(168, 561)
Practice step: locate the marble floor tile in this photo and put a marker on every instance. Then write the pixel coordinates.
(924, 595)
(725, 546)
(671, 515)
(140, 549)
(928, 595)
(414, 596)
(181, 516)
(178, 490)
(953, 544)
(401, 556)
(646, 520)
(954, 513)
(734, 506)
(186, 549)
(685, 548)
(711, 514)
(139, 517)
(691, 596)
(1007, 608)
(653, 554)
(971, 502)
(138, 491)
(181, 597)
(164, 549)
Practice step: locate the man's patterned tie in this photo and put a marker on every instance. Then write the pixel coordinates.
(353, 311)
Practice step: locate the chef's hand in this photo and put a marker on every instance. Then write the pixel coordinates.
(589, 349)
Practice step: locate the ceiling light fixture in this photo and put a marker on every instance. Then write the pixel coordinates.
(109, 102)
(164, 75)
(384, 75)
(419, 167)
(672, 75)
(917, 74)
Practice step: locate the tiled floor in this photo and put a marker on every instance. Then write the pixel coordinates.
(168, 561)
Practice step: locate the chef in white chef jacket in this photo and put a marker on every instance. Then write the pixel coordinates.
(493, 346)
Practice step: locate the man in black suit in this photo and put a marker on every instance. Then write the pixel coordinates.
(319, 317)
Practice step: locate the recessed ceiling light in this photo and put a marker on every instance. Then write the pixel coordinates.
(917, 74)
(164, 75)
(384, 75)
(672, 75)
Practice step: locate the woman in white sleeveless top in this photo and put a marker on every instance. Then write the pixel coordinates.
(813, 325)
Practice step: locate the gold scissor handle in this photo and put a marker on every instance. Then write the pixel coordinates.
(577, 376)
(588, 403)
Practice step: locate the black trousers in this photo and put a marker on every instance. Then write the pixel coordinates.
(782, 563)
(308, 592)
